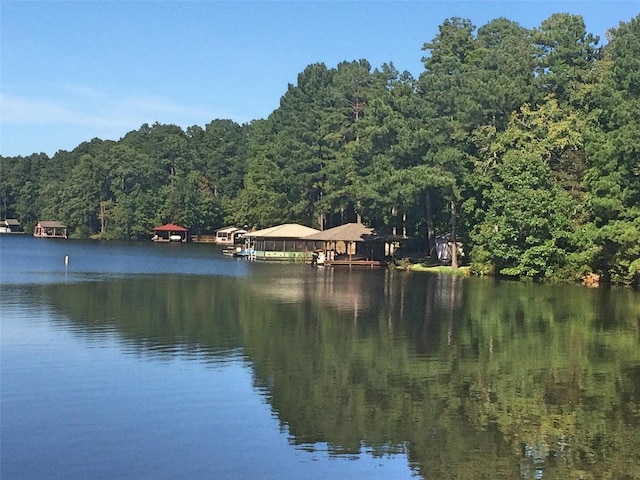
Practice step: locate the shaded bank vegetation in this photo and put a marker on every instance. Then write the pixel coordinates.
(520, 142)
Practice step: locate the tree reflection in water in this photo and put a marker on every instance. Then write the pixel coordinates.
(470, 378)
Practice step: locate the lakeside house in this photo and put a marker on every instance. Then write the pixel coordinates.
(283, 242)
(10, 225)
(170, 233)
(444, 249)
(50, 230)
(229, 235)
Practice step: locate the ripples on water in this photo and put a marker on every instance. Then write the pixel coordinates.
(43, 261)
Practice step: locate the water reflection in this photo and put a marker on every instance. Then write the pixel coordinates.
(469, 378)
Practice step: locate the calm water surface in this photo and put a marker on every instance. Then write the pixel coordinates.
(145, 361)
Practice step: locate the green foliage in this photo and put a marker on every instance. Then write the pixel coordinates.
(520, 142)
(613, 175)
(566, 53)
(528, 227)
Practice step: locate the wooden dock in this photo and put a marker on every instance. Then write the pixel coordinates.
(203, 238)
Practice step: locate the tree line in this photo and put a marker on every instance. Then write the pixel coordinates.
(522, 143)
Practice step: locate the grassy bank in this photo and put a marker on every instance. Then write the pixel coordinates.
(442, 269)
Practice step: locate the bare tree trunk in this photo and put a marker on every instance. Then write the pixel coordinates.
(321, 220)
(404, 224)
(394, 212)
(454, 247)
(104, 215)
(431, 237)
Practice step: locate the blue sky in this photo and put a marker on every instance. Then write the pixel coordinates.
(72, 71)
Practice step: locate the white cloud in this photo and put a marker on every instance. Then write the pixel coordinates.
(96, 111)
(16, 110)
(64, 117)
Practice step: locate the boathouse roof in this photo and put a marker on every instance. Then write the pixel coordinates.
(287, 230)
(49, 224)
(228, 229)
(349, 232)
(170, 227)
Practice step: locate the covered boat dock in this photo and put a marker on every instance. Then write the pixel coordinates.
(283, 242)
(170, 233)
(353, 245)
(50, 230)
(229, 235)
(10, 225)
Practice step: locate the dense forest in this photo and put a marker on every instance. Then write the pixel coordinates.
(523, 143)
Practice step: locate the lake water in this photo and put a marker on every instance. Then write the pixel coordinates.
(144, 361)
